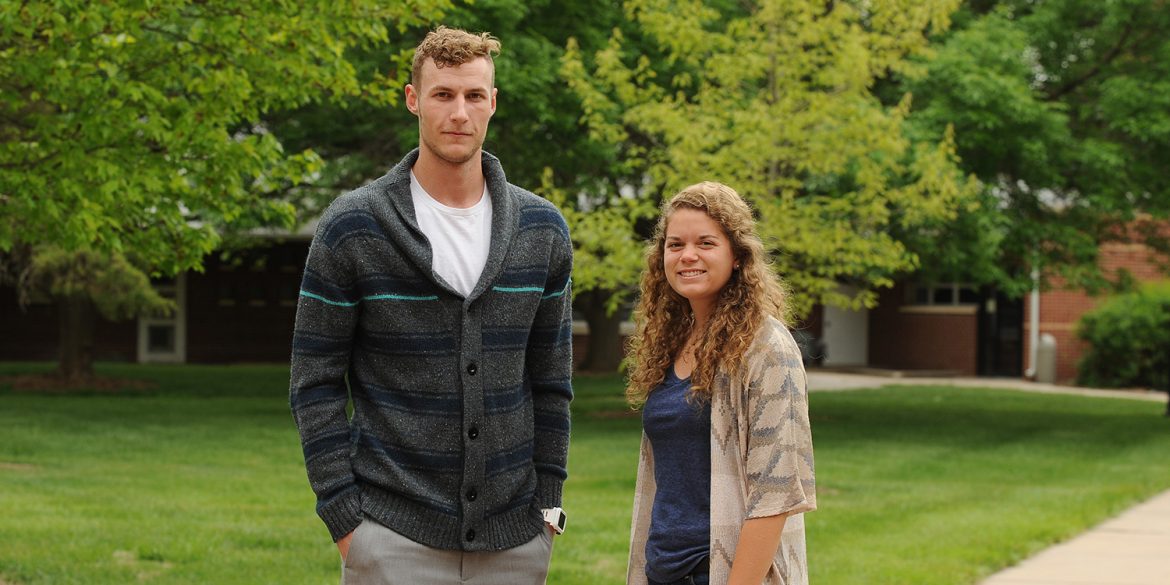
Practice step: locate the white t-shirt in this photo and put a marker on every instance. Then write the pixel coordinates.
(460, 238)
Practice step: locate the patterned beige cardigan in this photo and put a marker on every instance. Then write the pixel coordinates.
(761, 461)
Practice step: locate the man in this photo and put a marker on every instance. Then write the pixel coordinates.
(437, 299)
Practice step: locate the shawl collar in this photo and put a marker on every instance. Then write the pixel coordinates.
(505, 219)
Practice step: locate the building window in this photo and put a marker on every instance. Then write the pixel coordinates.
(947, 294)
(160, 338)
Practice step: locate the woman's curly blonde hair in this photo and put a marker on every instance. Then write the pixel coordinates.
(665, 319)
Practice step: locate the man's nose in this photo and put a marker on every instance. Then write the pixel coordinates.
(460, 112)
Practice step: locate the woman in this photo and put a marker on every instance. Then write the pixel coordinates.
(726, 466)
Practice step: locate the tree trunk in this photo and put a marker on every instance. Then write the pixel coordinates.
(604, 352)
(77, 318)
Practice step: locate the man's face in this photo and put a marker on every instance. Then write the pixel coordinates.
(453, 105)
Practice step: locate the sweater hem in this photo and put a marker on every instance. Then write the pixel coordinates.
(441, 530)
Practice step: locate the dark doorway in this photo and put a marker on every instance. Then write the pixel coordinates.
(1001, 335)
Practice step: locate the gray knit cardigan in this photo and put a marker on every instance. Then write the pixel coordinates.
(460, 425)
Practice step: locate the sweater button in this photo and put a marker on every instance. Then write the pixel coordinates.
(473, 433)
(470, 535)
(472, 369)
(472, 495)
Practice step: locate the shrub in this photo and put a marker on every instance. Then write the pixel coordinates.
(1129, 340)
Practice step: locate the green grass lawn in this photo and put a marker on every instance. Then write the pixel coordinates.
(201, 481)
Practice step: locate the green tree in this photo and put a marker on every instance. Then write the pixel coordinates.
(133, 130)
(775, 98)
(85, 282)
(1062, 109)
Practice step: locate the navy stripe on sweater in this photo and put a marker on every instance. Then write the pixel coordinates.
(547, 337)
(316, 395)
(505, 338)
(542, 217)
(420, 403)
(308, 343)
(515, 458)
(326, 444)
(505, 400)
(409, 344)
(431, 461)
(551, 421)
(356, 223)
(533, 277)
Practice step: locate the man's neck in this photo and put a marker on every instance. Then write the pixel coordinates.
(454, 185)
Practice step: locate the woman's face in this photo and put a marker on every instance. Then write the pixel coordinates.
(697, 258)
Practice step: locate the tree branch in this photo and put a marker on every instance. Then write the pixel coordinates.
(1093, 71)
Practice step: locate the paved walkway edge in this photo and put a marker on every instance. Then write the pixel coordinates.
(822, 380)
(1131, 549)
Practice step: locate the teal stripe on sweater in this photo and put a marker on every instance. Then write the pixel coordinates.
(524, 289)
(568, 283)
(390, 297)
(517, 289)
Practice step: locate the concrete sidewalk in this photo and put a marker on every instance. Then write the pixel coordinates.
(820, 380)
(1131, 549)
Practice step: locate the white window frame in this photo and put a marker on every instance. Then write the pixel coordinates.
(178, 292)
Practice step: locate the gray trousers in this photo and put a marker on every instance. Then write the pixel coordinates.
(380, 556)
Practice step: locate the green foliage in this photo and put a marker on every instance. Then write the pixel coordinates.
(607, 250)
(1129, 340)
(135, 127)
(1061, 109)
(118, 290)
(775, 99)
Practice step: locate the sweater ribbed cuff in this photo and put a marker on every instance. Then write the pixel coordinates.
(548, 491)
(342, 514)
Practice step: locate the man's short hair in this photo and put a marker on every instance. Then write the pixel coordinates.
(451, 47)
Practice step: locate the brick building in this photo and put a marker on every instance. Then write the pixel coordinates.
(237, 310)
(960, 329)
(1061, 309)
(947, 328)
(242, 310)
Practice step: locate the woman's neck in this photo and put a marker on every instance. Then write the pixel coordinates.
(702, 313)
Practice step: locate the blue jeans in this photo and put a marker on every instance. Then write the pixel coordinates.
(692, 579)
(700, 575)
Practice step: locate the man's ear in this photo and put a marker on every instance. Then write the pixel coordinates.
(412, 99)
